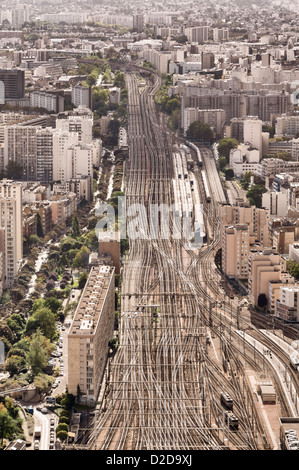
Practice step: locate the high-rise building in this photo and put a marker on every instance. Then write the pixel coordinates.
(138, 23)
(253, 134)
(82, 96)
(287, 306)
(79, 120)
(91, 330)
(264, 266)
(20, 150)
(235, 246)
(214, 117)
(44, 155)
(198, 34)
(14, 83)
(63, 140)
(220, 34)
(49, 101)
(11, 222)
(243, 213)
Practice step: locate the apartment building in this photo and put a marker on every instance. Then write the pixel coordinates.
(214, 117)
(49, 101)
(82, 96)
(44, 155)
(64, 206)
(138, 22)
(109, 245)
(243, 213)
(197, 34)
(79, 120)
(233, 103)
(220, 34)
(287, 306)
(264, 266)
(80, 185)
(62, 159)
(90, 332)
(287, 126)
(11, 220)
(235, 246)
(20, 148)
(14, 83)
(276, 203)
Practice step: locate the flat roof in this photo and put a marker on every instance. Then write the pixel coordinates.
(92, 300)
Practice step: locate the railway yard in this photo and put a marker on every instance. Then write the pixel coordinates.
(183, 339)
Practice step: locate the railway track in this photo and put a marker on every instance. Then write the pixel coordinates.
(163, 388)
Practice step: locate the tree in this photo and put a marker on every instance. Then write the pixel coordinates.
(174, 120)
(50, 285)
(53, 304)
(262, 300)
(39, 226)
(14, 364)
(254, 195)
(39, 353)
(7, 424)
(225, 146)
(42, 383)
(16, 323)
(82, 258)
(172, 105)
(14, 170)
(270, 129)
(229, 174)
(82, 280)
(200, 131)
(222, 163)
(62, 435)
(45, 320)
(76, 232)
(294, 269)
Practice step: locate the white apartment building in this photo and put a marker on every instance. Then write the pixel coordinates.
(81, 96)
(63, 160)
(287, 306)
(287, 126)
(11, 222)
(220, 34)
(159, 59)
(276, 203)
(198, 34)
(79, 120)
(253, 134)
(214, 117)
(49, 101)
(82, 159)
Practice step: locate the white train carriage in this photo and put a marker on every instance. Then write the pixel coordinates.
(206, 186)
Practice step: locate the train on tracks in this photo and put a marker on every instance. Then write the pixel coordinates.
(231, 420)
(226, 401)
(206, 186)
(294, 361)
(198, 153)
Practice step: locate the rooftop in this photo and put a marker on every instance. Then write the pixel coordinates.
(92, 300)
